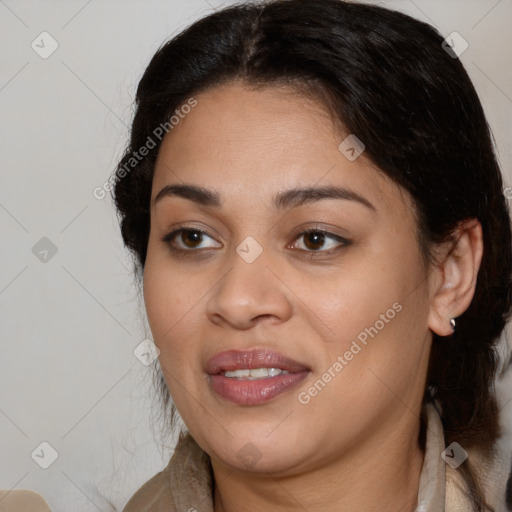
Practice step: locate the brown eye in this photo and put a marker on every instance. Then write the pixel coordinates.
(314, 240)
(191, 238)
(317, 241)
(187, 239)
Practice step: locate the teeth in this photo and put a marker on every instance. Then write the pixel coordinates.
(255, 373)
(238, 373)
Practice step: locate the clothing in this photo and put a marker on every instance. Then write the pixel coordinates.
(185, 485)
(22, 500)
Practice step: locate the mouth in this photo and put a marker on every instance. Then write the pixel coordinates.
(253, 377)
(254, 373)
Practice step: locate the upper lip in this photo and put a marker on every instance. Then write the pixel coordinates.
(231, 360)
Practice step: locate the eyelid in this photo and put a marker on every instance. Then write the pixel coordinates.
(169, 237)
(342, 241)
(345, 242)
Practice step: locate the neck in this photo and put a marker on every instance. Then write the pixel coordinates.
(382, 473)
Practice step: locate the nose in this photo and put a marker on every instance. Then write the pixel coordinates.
(250, 293)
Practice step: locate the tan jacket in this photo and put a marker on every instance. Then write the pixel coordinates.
(185, 485)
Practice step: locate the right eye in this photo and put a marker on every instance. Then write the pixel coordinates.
(186, 239)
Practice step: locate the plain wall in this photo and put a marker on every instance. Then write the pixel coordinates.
(68, 375)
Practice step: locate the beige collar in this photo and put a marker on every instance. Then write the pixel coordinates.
(431, 492)
(185, 485)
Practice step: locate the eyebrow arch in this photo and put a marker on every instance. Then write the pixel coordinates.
(284, 200)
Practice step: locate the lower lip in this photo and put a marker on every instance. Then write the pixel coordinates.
(253, 392)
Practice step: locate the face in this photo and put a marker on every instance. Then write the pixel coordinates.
(328, 288)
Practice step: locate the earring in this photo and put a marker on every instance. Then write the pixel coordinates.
(452, 323)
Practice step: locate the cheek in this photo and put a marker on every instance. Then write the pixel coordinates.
(354, 299)
(170, 299)
(376, 314)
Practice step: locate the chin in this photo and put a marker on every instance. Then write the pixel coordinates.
(258, 459)
(259, 452)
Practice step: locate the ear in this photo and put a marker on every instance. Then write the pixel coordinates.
(454, 277)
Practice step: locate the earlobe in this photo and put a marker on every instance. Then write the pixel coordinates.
(457, 275)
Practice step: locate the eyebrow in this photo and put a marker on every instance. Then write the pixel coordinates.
(283, 200)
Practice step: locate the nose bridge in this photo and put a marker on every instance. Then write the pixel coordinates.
(248, 289)
(247, 278)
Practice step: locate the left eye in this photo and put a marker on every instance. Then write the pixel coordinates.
(315, 239)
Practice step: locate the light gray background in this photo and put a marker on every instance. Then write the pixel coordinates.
(68, 375)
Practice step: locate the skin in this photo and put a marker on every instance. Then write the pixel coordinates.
(354, 446)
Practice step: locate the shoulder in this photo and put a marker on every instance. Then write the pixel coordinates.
(154, 496)
(185, 481)
(493, 471)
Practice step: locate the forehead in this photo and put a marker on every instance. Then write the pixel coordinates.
(252, 143)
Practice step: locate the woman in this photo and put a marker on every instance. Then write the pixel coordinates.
(317, 216)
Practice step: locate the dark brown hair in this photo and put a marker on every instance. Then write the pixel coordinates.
(389, 81)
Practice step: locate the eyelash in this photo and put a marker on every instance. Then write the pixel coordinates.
(169, 240)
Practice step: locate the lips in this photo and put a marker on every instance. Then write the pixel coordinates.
(238, 360)
(245, 391)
